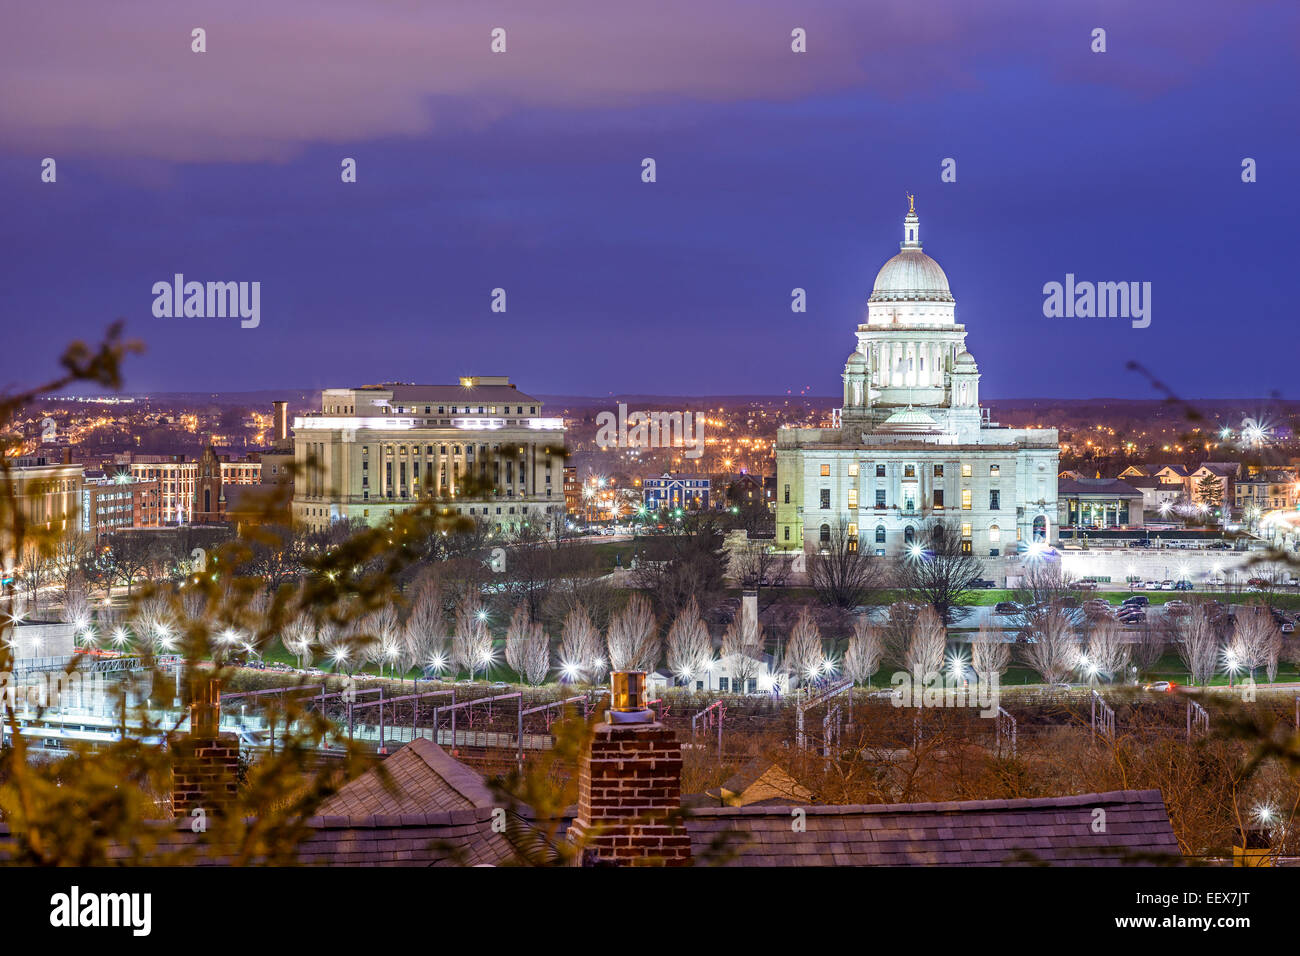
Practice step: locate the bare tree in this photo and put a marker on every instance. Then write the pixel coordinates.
(1051, 647)
(940, 571)
(866, 648)
(382, 629)
(298, 635)
(804, 654)
(755, 565)
(1198, 644)
(76, 605)
(426, 629)
(517, 635)
(152, 621)
(1108, 649)
(1149, 642)
(471, 645)
(1256, 640)
(841, 573)
(924, 655)
(36, 570)
(536, 655)
(129, 554)
(990, 653)
(71, 554)
(689, 644)
(579, 646)
(632, 638)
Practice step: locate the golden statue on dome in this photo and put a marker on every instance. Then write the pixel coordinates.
(911, 204)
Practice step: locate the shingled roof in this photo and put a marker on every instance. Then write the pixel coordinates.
(421, 778)
(438, 812)
(1063, 831)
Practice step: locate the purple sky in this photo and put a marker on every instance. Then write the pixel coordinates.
(775, 170)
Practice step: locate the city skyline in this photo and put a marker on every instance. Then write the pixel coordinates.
(775, 171)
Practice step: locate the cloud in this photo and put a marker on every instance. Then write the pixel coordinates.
(120, 79)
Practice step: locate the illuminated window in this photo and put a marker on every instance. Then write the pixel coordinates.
(965, 499)
(995, 534)
(909, 471)
(995, 471)
(965, 530)
(965, 471)
(853, 497)
(938, 471)
(853, 470)
(826, 471)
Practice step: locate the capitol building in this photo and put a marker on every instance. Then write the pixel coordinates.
(911, 443)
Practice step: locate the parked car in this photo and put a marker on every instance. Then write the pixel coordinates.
(1161, 686)
(1183, 585)
(1166, 585)
(1087, 585)
(983, 583)
(1137, 600)
(1007, 607)
(1151, 586)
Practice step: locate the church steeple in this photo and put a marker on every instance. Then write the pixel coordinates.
(911, 226)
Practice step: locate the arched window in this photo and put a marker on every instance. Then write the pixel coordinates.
(995, 534)
(1040, 528)
(880, 534)
(826, 534)
(909, 534)
(937, 536)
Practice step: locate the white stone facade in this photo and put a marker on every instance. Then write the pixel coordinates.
(912, 443)
(379, 450)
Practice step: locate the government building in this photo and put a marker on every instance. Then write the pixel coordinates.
(482, 448)
(911, 443)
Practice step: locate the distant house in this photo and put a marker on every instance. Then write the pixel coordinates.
(1171, 476)
(1266, 491)
(668, 491)
(1098, 503)
(1223, 474)
(759, 783)
(744, 491)
(1157, 496)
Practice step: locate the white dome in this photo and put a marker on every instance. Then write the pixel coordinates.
(909, 277)
(856, 360)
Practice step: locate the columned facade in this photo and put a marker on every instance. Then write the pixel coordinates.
(913, 443)
(482, 449)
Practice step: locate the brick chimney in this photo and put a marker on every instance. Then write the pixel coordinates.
(205, 762)
(630, 787)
